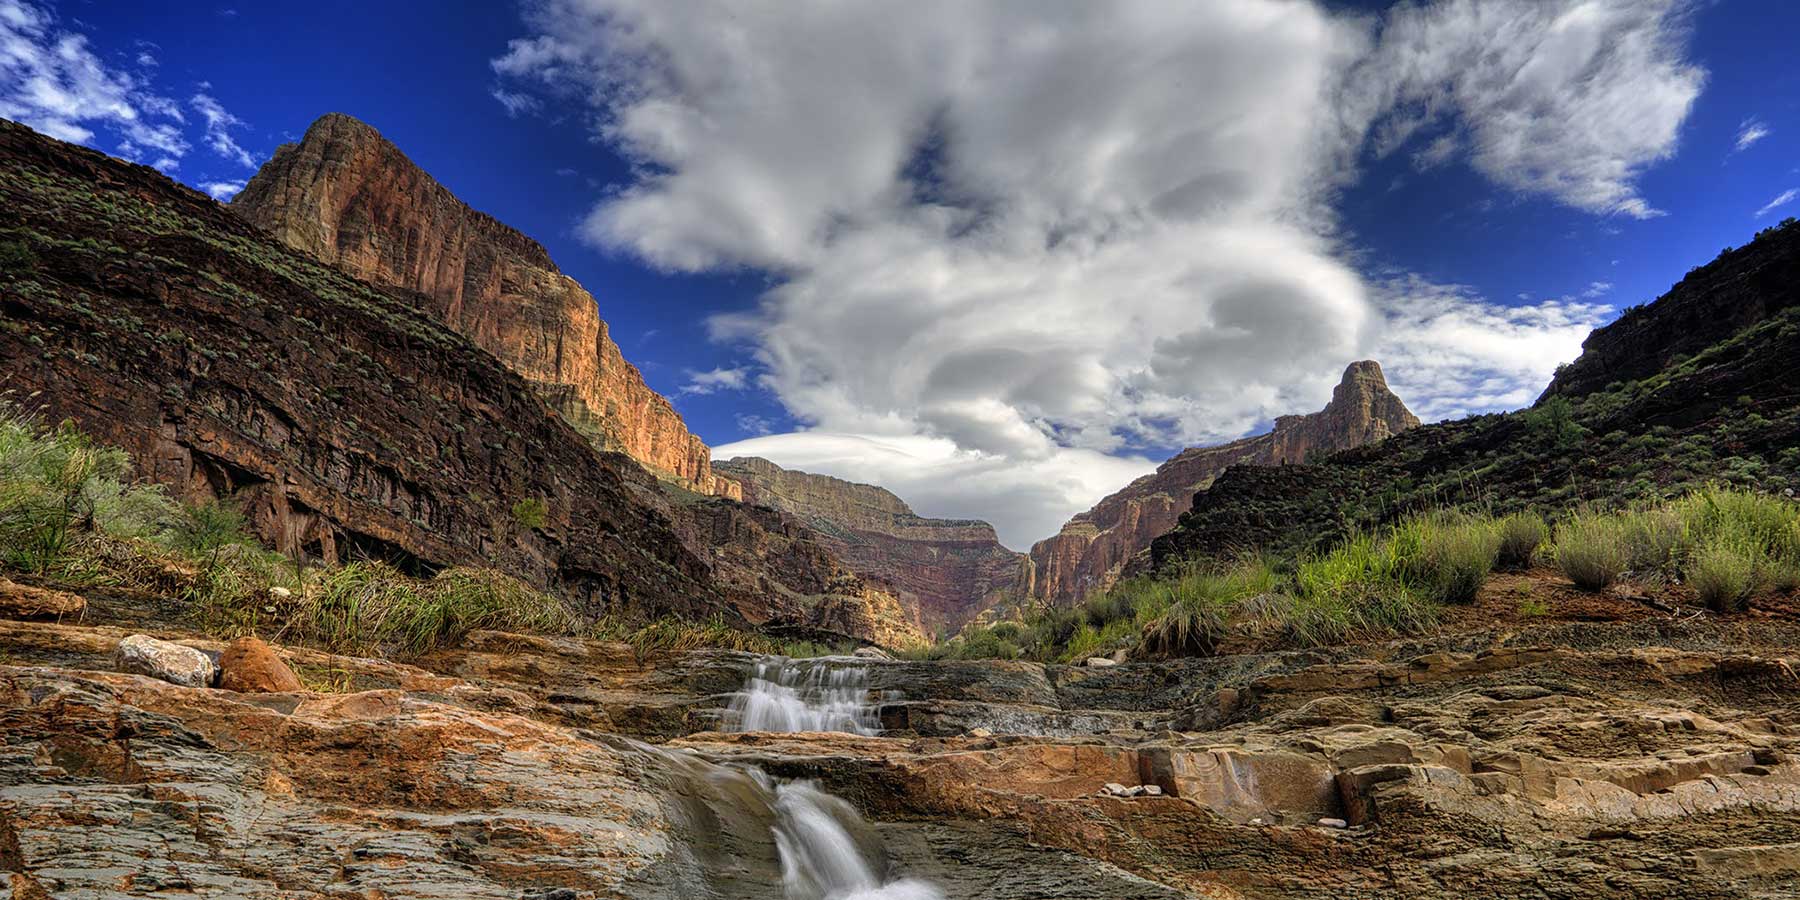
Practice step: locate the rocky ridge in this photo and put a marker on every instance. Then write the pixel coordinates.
(347, 422)
(1095, 547)
(943, 570)
(348, 196)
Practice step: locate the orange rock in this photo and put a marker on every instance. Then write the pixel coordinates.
(18, 601)
(250, 666)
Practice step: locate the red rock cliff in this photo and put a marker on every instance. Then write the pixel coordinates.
(350, 197)
(1094, 547)
(943, 570)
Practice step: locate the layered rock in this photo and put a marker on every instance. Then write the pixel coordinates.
(943, 570)
(1093, 549)
(345, 421)
(348, 196)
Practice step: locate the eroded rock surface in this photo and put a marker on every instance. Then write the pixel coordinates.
(348, 196)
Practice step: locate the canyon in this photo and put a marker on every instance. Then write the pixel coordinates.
(945, 571)
(1095, 548)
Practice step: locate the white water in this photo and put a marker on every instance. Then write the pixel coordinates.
(825, 694)
(820, 860)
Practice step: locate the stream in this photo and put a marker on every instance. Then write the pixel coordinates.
(828, 852)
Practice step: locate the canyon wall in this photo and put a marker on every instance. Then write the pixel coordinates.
(348, 196)
(1092, 550)
(944, 570)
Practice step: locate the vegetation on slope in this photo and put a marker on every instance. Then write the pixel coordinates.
(1720, 545)
(71, 514)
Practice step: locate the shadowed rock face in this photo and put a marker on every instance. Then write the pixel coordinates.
(348, 196)
(1094, 547)
(344, 420)
(943, 570)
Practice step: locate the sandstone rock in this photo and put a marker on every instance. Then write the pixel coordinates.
(1099, 662)
(1153, 790)
(141, 654)
(19, 601)
(1095, 547)
(250, 666)
(981, 732)
(348, 196)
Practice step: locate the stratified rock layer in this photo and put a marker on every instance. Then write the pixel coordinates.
(1095, 547)
(944, 570)
(350, 197)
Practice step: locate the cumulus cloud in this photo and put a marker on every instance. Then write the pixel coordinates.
(1782, 199)
(52, 81)
(1750, 132)
(1014, 246)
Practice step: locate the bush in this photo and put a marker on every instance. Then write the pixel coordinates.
(1723, 575)
(1453, 558)
(56, 484)
(1593, 551)
(1653, 540)
(531, 513)
(1520, 535)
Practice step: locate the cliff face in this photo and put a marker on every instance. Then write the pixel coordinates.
(943, 570)
(1667, 399)
(1092, 550)
(345, 421)
(348, 196)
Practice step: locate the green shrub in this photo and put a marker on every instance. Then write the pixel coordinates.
(1723, 575)
(1520, 535)
(531, 513)
(1653, 539)
(1453, 558)
(56, 484)
(1592, 551)
(16, 256)
(210, 526)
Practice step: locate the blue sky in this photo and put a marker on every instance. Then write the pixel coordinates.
(1066, 281)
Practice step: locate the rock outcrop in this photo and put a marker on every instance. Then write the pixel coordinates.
(348, 196)
(1093, 549)
(343, 419)
(943, 570)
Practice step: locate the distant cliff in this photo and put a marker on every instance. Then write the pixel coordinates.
(1094, 547)
(350, 197)
(944, 570)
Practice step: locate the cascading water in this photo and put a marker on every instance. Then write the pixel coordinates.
(825, 694)
(821, 860)
(827, 851)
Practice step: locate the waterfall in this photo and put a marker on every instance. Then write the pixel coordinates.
(820, 857)
(824, 694)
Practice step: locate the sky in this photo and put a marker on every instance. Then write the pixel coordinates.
(1004, 257)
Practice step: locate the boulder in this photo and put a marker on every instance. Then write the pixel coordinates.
(19, 601)
(141, 654)
(250, 666)
(1098, 662)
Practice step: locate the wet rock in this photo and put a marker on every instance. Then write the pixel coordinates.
(19, 601)
(250, 666)
(141, 654)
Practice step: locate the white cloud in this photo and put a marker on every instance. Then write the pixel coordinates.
(753, 425)
(219, 123)
(222, 190)
(934, 474)
(51, 81)
(516, 102)
(1750, 132)
(720, 379)
(1013, 244)
(1782, 199)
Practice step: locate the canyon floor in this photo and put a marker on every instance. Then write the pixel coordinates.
(1604, 748)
